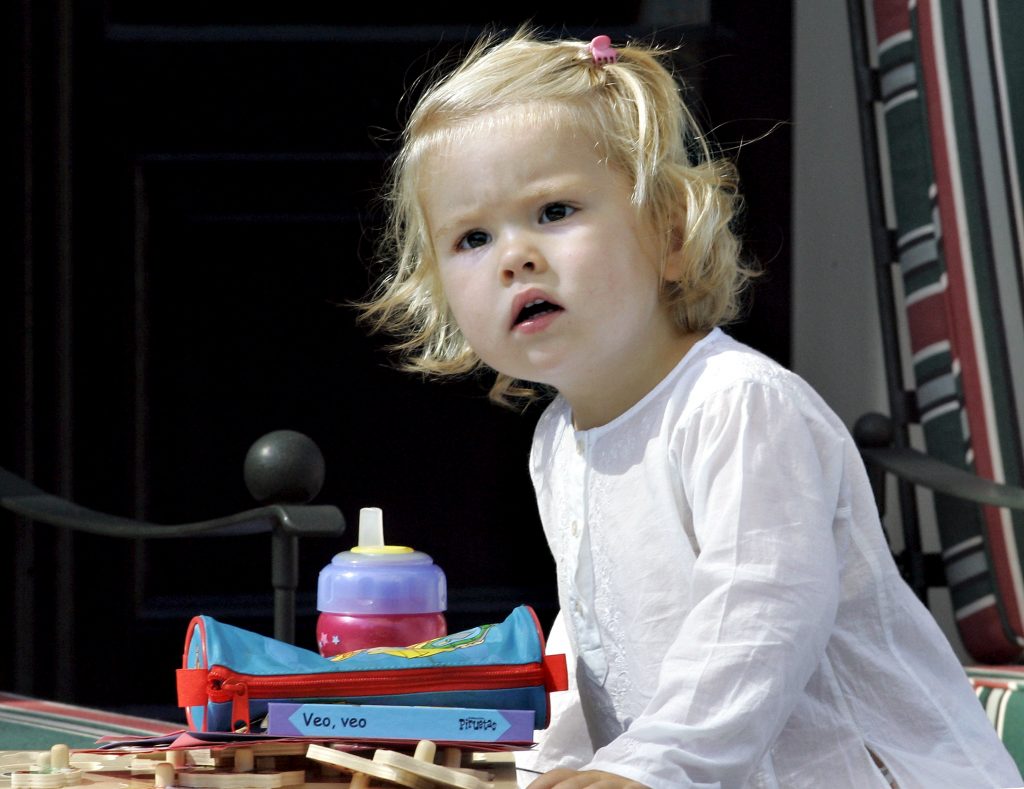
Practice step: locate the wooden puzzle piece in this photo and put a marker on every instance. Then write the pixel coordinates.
(260, 757)
(204, 778)
(241, 775)
(248, 766)
(423, 765)
(364, 769)
(403, 769)
(52, 770)
(163, 774)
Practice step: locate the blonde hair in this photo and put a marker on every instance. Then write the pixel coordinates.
(635, 109)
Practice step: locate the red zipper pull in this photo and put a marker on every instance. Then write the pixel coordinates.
(556, 673)
(239, 704)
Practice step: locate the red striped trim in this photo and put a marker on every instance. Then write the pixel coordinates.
(991, 683)
(890, 19)
(957, 303)
(143, 725)
(985, 637)
(927, 323)
(961, 331)
(1005, 672)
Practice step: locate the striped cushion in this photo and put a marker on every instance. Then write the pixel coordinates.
(951, 79)
(1001, 691)
(36, 724)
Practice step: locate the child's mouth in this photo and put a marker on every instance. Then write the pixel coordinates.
(533, 310)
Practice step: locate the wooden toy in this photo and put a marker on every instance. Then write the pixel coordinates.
(364, 769)
(201, 778)
(272, 765)
(416, 771)
(31, 761)
(422, 764)
(235, 768)
(52, 770)
(163, 775)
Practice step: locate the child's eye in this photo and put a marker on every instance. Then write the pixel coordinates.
(473, 239)
(555, 211)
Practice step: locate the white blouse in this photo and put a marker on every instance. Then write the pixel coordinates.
(729, 600)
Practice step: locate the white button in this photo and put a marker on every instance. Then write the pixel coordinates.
(575, 528)
(579, 446)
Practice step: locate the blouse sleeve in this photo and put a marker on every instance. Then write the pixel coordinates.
(565, 742)
(762, 476)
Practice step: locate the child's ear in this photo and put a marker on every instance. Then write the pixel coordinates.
(675, 254)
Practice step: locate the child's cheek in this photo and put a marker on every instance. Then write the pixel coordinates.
(465, 305)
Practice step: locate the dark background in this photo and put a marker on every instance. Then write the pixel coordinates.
(190, 206)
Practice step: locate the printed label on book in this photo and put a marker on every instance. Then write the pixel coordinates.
(372, 721)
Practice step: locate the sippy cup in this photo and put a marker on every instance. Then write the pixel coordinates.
(379, 595)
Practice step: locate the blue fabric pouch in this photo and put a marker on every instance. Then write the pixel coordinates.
(229, 675)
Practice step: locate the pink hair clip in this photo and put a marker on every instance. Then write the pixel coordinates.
(602, 51)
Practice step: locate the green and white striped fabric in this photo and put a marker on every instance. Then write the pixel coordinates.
(1001, 692)
(37, 724)
(951, 100)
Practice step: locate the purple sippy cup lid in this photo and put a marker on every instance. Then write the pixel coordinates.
(374, 578)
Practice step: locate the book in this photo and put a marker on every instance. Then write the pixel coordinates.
(388, 722)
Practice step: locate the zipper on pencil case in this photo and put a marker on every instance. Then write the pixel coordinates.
(225, 685)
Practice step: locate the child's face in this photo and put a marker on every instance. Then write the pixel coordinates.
(549, 271)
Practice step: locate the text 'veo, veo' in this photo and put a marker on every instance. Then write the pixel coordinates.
(327, 722)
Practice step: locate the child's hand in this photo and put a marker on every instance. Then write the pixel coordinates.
(577, 779)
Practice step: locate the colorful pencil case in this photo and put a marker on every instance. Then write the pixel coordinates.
(230, 675)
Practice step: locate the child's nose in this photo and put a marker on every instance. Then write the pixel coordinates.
(518, 261)
(511, 272)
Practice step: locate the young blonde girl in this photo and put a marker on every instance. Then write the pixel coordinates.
(732, 611)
